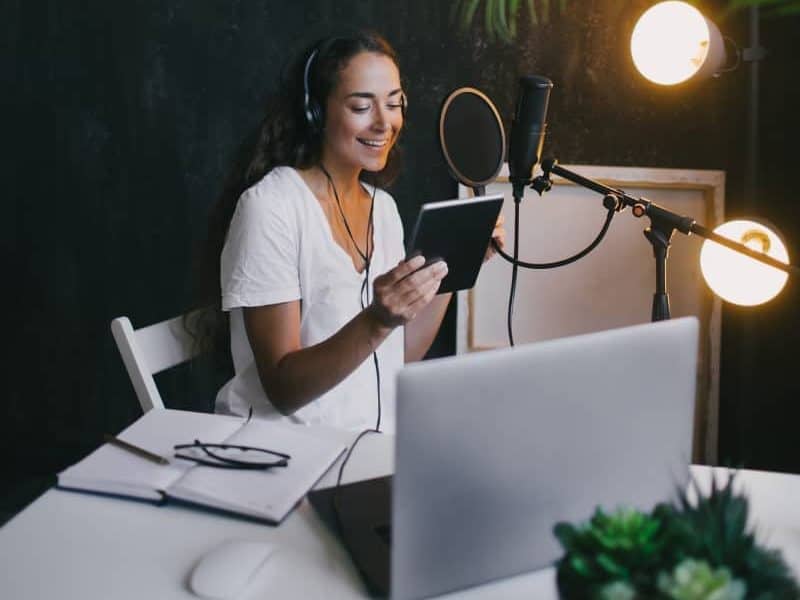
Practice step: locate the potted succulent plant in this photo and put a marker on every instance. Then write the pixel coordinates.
(682, 551)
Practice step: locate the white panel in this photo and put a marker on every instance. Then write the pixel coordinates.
(611, 287)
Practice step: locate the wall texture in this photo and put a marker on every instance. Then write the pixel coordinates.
(120, 119)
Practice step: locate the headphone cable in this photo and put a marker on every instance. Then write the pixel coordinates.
(364, 298)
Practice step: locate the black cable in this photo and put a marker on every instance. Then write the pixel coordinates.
(378, 383)
(347, 458)
(337, 515)
(363, 256)
(367, 258)
(364, 298)
(515, 262)
(559, 263)
(514, 268)
(365, 288)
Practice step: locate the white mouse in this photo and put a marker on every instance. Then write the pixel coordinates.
(224, 572)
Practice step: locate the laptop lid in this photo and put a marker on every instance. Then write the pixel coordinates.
(494, 448)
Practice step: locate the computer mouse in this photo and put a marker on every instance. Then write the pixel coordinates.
(224, 572)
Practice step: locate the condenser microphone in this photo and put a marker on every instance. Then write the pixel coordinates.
(527, 131)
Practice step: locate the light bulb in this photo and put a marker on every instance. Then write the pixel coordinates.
(672, 41)
(737, 278)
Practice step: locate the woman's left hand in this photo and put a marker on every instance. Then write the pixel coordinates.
(498, 235)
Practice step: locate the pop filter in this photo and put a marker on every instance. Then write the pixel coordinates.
(472, 138)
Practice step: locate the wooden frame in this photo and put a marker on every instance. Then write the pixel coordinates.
(613, 286)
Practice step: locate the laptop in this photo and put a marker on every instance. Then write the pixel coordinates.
(494, 448)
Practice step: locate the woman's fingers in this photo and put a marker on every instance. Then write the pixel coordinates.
(426, 293)
(499, 233)
(406, 289)
(403, 269)
(435, 270)
(409, 275)
(419, 283)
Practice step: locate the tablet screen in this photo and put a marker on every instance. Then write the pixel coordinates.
(458, 232)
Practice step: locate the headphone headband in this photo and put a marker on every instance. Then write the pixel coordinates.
(311, 112)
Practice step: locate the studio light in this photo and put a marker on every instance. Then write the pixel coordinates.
(737, 278)
(672, 42)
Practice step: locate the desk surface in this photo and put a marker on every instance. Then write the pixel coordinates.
(77, 546)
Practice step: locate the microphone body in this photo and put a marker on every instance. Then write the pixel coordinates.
(527, 131)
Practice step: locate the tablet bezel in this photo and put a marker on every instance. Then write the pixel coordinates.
(462, 246)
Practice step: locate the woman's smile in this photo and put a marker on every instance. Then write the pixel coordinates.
(364, 114)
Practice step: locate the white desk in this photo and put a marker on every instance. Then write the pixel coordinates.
(69, 545)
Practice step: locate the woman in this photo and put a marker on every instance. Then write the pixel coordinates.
(324, 309)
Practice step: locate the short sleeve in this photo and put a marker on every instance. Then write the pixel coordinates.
(259, 262)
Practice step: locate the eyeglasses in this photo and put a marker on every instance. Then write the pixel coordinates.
(230, 456)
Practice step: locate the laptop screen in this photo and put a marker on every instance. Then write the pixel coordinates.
(494, 448)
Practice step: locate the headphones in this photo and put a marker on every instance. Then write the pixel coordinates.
(312, 109)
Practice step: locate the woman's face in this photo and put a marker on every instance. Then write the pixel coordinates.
(363, 114)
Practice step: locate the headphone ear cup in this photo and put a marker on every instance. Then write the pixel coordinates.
(314, 116)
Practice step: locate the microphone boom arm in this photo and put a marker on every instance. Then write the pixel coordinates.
(663, 223)
(643, 207)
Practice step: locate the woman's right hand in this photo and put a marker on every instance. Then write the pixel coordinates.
(401, 293)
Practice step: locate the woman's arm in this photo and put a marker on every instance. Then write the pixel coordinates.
(293, 376)
(422, 330)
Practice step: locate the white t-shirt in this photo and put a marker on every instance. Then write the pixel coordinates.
(280, 248)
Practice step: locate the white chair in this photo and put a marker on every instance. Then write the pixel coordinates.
(150, 350)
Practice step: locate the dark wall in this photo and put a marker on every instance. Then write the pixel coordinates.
(120, 119)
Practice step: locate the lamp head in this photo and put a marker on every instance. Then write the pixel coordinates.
(737, 278)
(672, 42)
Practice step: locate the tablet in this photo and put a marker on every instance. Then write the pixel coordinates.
(458, 232)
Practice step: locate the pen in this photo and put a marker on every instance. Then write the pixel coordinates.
(135, 449)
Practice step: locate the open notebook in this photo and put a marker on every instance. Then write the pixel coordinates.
(267, 495)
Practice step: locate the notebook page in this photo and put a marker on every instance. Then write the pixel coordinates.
(268, 494)
(113, 470)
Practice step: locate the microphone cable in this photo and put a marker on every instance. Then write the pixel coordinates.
(558, 263)
(514, 268)
(612, 207)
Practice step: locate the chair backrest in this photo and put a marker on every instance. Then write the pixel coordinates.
(150, 350)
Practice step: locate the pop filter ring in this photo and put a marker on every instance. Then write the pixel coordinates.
(457, 171)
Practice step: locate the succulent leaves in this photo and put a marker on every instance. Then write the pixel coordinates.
(683, 551)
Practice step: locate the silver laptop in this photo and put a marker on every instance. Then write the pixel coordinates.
(494, 448)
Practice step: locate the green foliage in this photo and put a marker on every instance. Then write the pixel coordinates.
(771, 7)
(715, 529)
(624, 546)
(500, 17)
(684, 551)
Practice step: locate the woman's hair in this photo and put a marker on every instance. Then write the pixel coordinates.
(284, 137)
